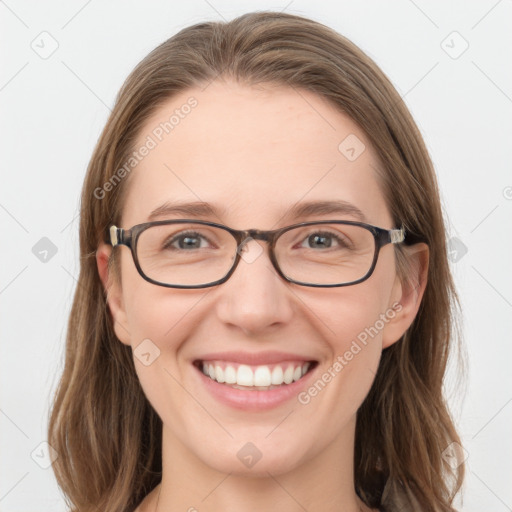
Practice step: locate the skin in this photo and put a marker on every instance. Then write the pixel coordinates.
(237, 149)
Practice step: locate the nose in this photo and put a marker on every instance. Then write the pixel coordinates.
(255, 298)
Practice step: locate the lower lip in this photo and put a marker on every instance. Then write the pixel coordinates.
(254, 400)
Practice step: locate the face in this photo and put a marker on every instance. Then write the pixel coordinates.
(253, 153)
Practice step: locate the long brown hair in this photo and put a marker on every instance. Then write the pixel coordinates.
(106, 433)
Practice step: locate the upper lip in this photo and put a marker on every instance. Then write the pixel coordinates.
(254, 358)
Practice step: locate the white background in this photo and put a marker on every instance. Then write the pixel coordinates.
(53, 110)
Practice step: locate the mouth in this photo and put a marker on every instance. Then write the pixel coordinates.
(263, 377)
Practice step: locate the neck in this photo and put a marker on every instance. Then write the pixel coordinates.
(324, 481)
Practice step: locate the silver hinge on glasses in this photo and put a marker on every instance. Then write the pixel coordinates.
(397, 235)
(113, 236)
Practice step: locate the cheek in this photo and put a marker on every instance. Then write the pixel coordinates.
(350, 322)
(153, 312)
(357, 342)
(361, 312)
(348, 314)
(160, 324)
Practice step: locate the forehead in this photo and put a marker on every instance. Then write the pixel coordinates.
(254, 152)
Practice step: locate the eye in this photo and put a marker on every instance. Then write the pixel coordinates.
(324, 240)
(186, 240)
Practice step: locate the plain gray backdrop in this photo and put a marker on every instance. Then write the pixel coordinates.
(62, 65)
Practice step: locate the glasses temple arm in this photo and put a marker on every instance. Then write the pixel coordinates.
(114, 236)
(396, 236)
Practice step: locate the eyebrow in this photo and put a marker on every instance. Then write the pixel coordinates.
(199, 209)
(194, 209)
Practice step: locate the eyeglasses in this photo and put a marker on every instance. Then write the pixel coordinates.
(198, 254)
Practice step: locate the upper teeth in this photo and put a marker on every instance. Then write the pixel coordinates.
(263, 375)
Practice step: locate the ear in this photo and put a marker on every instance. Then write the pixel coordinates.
(114, 293)
(407, 294)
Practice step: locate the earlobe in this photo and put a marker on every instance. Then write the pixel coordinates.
(114, 294)
(408, 293)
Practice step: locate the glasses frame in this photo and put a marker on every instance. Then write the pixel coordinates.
(129, 237)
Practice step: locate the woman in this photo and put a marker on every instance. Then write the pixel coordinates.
(274, 333)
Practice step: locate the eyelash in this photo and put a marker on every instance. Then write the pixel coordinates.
(168, 243)
(182, 234)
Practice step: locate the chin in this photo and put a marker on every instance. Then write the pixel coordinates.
(254, 459)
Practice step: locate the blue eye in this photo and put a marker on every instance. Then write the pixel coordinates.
(185, 240)
(324, 239)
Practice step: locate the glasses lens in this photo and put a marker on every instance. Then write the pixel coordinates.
(185, 254)
(326, 254)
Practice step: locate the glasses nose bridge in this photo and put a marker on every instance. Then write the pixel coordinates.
(258, 234)
(247, 235)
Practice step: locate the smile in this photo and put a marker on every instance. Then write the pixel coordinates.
(257, 378)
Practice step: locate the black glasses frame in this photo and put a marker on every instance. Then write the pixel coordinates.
(129, 237)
